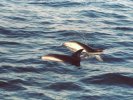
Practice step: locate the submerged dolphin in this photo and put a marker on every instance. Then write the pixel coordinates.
(74, 59)
(74, 46)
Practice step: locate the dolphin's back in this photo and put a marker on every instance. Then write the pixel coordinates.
(56, 57)
(86, 47)
(74, 46)
(74, 59)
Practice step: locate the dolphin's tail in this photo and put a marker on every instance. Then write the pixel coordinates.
(98, 57)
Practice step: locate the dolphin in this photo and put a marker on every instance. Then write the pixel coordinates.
(89, 51)
(74, 59)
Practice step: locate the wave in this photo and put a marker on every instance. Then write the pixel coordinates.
(111, 22)
(59, 86)
(98, 14)
(9, 43)
(17, 18)
(124, 43)
(19, 32)
(113, 5)
(103, 97)
(51, 67)
(16, 85)
(6, 69)
(109, 79)
(36, 95)
(9, 86)
(91, 13)
(5, 31)
(124, 28)
(57, 4)
(112, 59)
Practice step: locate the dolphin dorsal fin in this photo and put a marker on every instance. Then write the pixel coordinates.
(77, 53)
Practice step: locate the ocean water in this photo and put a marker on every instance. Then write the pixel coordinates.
(30, 29)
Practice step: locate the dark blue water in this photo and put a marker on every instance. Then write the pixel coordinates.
(30, 29)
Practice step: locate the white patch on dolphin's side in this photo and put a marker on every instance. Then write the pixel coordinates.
(73, 46)
(51, 58)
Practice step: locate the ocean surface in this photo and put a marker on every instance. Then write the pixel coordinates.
(30, 29)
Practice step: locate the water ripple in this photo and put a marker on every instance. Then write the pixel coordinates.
(60, 86)
(30, 29)
(10, 86)
(57, 4)
(109, 79)
(124, 28)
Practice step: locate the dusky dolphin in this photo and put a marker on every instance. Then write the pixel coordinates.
(74, 59)
(91, 52)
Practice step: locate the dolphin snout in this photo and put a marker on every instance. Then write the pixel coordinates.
(64, 44)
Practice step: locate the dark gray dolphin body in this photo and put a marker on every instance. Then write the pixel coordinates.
(74, 46)
(74, 59)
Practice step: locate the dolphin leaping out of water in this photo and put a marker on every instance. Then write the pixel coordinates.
(74, 59)
(91, 52)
